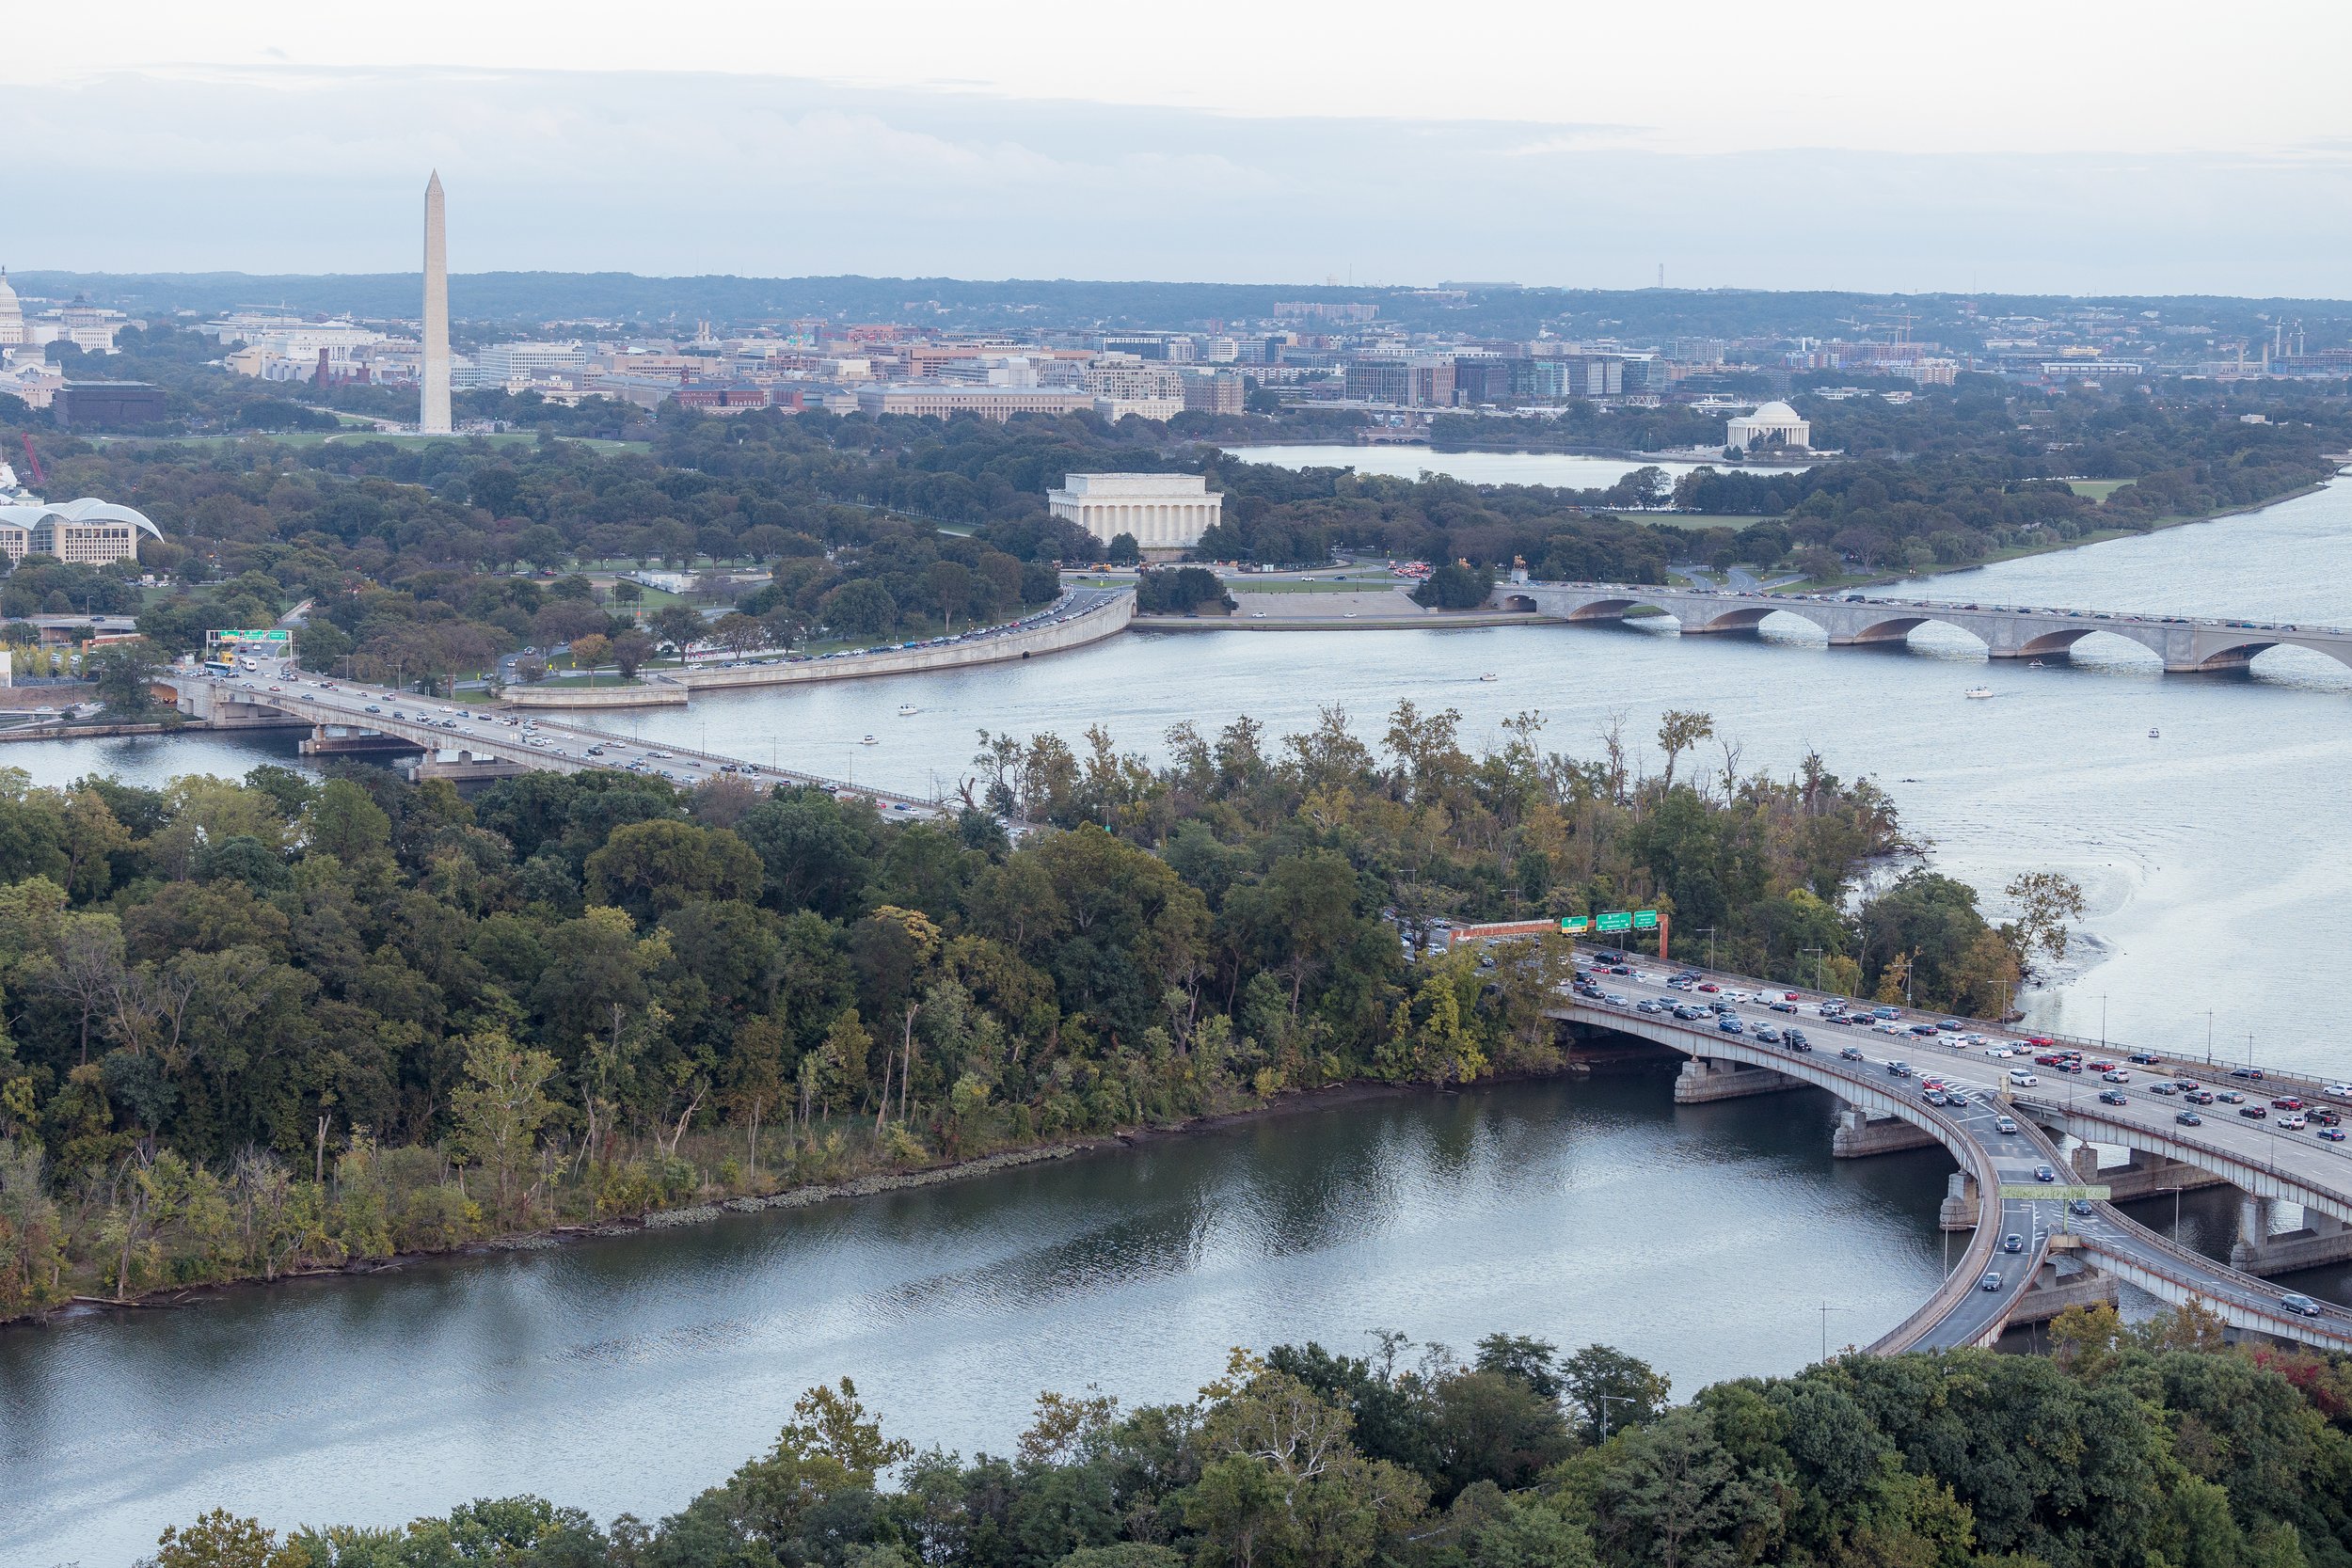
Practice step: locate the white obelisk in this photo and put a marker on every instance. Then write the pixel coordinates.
(434, 412)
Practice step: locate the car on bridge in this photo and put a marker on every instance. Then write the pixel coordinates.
(1794, 1039)
(2297, 1301)
(2189, 1119)
(1730, 1024)
(1991, 1282)
(2286, 1102)
(2013, 1242)
(1852, 1053)
(2292, 1122)
(1767, 1034)
(2110, 1097)
(2143, 1058)
(2020, 1079)
(2003, 1124)
(2080, 1205)
(2333, 1134)
(2254, 1113)
(2044, 1173)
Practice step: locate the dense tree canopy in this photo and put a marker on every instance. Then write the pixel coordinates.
(2129, 1448)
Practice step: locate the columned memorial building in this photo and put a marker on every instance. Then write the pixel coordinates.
(1163, 512)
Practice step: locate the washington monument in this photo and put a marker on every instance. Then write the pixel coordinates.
(434, 413)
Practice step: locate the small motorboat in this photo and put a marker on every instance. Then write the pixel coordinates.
(869, 740)
(2155, 735)
(1491, 675)
(1977, 693)
(907, 710)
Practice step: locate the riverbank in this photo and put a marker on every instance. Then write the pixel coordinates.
(2056, 547)
(1577, 1062)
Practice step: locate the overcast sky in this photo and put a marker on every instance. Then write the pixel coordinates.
(2066, 146)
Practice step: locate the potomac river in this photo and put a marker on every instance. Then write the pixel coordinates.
(624, 1374)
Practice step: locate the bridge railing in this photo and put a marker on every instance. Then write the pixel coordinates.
(794, 775)
(2094, 1112)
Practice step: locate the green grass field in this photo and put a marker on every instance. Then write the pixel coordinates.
(2097, 490)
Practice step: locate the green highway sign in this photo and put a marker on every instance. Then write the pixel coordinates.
(1576, 924)
(1616, 920)
(1646, 920)
(268, 634)
(2038, 1190)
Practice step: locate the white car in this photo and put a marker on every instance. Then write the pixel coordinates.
(2344, 1089)
(1996, 1052)
(2020, 1078)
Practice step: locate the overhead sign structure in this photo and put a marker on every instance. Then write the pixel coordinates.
(264, 637)
(1646, 920)
(1616, 920)
(2037, 1190)
(1575, 924)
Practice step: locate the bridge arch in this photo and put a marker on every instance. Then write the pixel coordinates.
(1616, 609)
(2235, 656)
(2051, 644)
(1519, 604)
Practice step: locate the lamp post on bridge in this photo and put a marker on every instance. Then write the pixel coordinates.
(1817, 965)
(1710, 949)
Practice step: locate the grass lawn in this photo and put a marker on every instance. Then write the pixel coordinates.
(1320, 585)
(2097, 490)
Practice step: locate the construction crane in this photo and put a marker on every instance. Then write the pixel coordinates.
(32, 461)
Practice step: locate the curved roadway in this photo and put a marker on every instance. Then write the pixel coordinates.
(1960, 1312)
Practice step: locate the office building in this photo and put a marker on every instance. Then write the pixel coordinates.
(1125, 376)
(988, 402)
(1217, 392)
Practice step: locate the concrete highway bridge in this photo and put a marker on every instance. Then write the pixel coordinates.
(2187, 645)
(462, 743)
(2068, 1260)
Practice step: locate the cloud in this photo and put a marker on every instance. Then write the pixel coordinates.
(309, 169)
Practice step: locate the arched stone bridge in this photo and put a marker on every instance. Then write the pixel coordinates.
(2187, 645)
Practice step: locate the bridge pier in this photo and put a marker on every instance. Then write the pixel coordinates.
(1702, 1079)
(1961, 1209)
(2065, 1280)
(2322, 1240)
(341, 740)
(2144, 1175)
(1860, 1133)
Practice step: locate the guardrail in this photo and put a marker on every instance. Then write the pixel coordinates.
(2277, 1173)
(2294, 1078)
(2261, 1290)
(816, 780)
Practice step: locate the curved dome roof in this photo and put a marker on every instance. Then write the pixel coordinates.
(9, 306)
(1777, 413)
(89, 508)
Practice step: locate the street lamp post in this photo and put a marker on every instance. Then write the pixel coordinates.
(2103, 1021)
(1710, 948)
(1816, 964)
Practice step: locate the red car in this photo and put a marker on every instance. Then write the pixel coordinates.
(2286, 1102)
